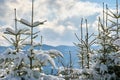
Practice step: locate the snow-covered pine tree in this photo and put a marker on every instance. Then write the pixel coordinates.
(107, 59)
(81, 54)
(85, 51)
(33, 35)
(18, 64)
(12, 62)
(16, 34)
(38, 58)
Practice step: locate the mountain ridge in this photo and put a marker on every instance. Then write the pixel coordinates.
(61, 48)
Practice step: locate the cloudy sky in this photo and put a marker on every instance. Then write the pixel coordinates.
(63, 17)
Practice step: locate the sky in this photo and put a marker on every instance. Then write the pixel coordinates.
(63, 17)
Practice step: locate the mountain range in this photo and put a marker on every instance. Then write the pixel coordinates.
(62, 48)
(65, 50)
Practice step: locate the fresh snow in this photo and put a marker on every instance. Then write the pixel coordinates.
(12, 59)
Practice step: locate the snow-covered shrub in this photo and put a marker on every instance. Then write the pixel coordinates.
(106, 59)
(84, 46)
(17, 63)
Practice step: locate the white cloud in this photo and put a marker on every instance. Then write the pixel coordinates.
(53, 26)
(74, 8)
(61, 9)
(55, 12)
(71, 28)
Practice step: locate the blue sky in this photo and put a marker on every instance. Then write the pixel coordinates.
(63, 17)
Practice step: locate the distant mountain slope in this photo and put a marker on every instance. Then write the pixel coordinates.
(62, 48)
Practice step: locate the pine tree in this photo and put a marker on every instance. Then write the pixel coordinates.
(85, 47)
(16, 41)
(25, 65)
(33, 35)
(107, 59)
(85, 51)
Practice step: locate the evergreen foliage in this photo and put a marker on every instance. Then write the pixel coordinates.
(17, 64)
(102, 63)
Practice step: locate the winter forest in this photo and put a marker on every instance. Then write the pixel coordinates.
(97, 53)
